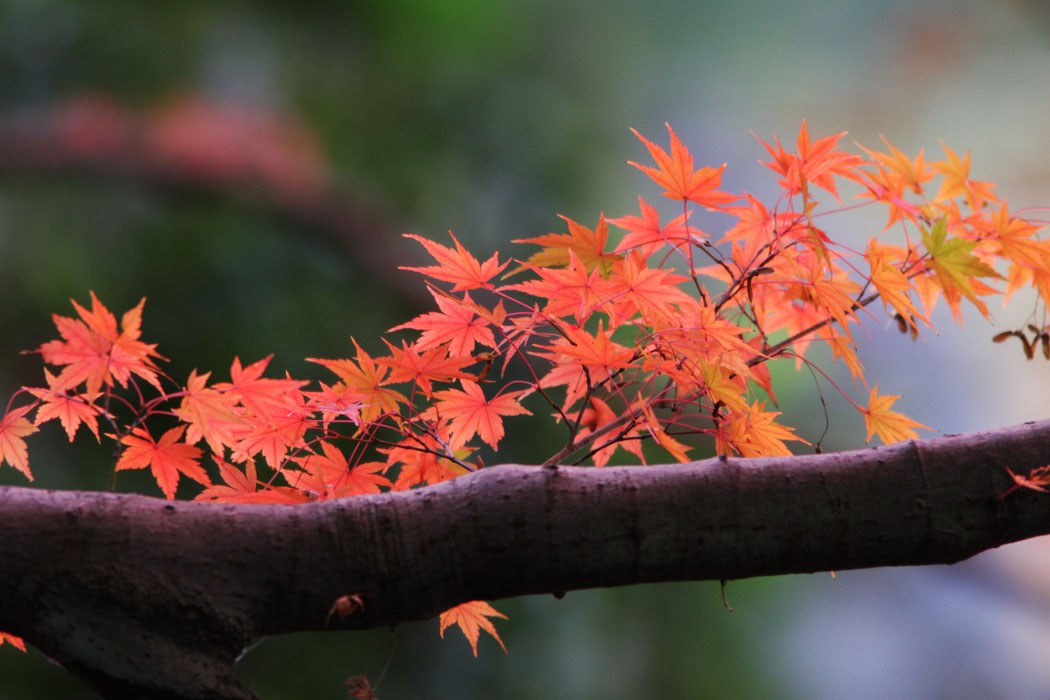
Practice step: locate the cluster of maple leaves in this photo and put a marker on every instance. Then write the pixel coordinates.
(660, 334)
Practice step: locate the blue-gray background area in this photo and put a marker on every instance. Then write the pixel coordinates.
(489, 119)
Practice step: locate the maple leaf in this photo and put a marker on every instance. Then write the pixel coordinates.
(596, 352)
(755, 433)
(472, 617)
(890, 426)
(13, 427)
(409, 364)
(594, 418)
(457, 266)
(419, 461)
(587, 245)
(166, 458)
(254, 391)
(673, 447)
(891, 284)
(816, 162)
(646, 235)
(72, 411)
(472, 414)
(209, 414)
(16, 642)
(569, 292)
(955, 267)
(456, 324)
(242, 487)
(94, 352)
(364, 376)
(273, 433)
(675, 173)
(652, 293)
(957, 181)
(906, 173)
(329, 475)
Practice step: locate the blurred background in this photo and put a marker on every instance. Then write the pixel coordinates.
(249, 167)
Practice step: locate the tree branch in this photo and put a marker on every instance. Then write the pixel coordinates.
(147, 598)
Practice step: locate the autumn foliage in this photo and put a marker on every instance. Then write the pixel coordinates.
(636, 331)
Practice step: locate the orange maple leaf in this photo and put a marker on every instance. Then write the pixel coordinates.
(472, 617)
(209, 414)
(254, 391)
(411, 364)
(815, 162)
(94, 352)
(675, 173)
(13, 427)
(364, 376)
(329, 474)
(587, 245)
(167, 458)
(72, 411)
(892, 285)
(646, 235)
(457, 266)
(18, 642)
(456, 324)
(472, 414)
(890, 426)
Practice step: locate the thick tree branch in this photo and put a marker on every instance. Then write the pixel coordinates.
(148, 598)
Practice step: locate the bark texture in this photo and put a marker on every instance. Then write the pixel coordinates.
(147, 598)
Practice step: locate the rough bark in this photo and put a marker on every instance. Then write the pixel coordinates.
(147, 598)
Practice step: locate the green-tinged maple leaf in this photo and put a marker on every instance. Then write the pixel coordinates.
(955, 266)
(588, 246)
(472, 617)
(167, 458)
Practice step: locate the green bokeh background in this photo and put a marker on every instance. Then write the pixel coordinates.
(489, 118)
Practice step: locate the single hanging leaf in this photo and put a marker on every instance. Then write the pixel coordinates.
(889, 425)
(472, 617)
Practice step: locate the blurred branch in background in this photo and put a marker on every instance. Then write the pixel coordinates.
(193, 145)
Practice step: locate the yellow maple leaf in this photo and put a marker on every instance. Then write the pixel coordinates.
(890, 426)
